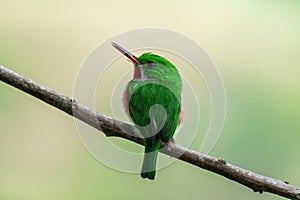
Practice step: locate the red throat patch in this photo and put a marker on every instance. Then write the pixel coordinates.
(137, 72)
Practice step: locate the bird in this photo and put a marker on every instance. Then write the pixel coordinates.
(152, 100)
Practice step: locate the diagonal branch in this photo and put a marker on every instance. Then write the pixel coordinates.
(112, 127)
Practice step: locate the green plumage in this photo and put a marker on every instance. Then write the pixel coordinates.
(154, 104)
(153, 101)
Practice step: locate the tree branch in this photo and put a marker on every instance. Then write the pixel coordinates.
(112, 127)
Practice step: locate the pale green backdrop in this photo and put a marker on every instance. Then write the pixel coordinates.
(255, 45)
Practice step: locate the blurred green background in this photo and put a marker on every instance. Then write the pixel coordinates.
(255, 45)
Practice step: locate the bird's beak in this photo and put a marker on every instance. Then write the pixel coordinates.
(129, 55)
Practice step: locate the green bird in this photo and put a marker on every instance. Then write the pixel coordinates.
(152, 100)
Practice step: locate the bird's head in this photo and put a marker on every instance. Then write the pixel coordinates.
(152, 66)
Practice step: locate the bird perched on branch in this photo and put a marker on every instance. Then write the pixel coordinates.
(153, 102)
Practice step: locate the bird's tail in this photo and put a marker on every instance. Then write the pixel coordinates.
(150, 157)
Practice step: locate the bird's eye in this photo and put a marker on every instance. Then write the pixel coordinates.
(150, 64)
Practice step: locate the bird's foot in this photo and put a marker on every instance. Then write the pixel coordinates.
(172, 140)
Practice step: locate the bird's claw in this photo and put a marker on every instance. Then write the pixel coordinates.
(172, 140)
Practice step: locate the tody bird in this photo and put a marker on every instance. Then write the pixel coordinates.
(152, 100)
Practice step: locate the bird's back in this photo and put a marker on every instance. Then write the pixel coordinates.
(151, 99)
